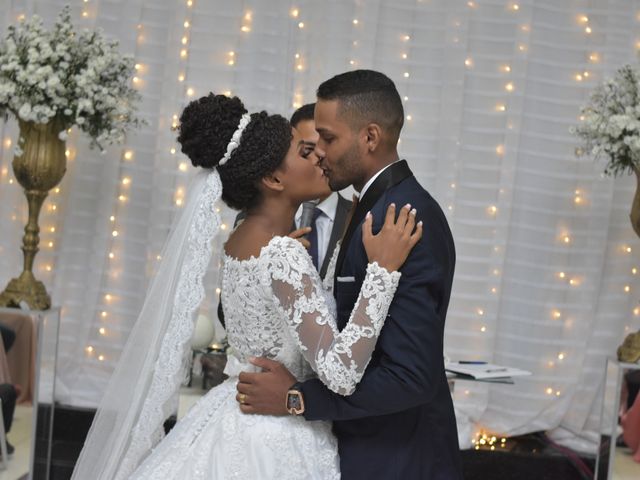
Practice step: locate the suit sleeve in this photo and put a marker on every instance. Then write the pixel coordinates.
(410, 366)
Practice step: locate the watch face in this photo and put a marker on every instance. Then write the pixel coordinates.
(293, 401)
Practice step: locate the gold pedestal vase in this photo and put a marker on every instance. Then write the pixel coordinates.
(38, 169)
(629, 351)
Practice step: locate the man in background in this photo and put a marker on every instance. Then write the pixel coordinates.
(330, 215)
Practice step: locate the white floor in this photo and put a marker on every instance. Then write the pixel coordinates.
(624, 468)
(20, 438)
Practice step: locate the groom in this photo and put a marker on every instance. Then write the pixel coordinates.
(400, 422)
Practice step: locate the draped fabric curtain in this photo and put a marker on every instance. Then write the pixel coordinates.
(546, 273)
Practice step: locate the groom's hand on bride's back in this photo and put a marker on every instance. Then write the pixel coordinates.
(265, 392)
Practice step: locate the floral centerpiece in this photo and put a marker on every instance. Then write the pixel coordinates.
(610, 126)
(50, 81)
(610, 129)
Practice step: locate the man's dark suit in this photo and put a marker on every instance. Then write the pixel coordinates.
(399, 423)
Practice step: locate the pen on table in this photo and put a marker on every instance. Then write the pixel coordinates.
(471, 362)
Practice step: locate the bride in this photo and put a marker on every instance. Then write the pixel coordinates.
(275, 306)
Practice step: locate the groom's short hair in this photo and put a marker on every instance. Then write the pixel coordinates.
(366, 96)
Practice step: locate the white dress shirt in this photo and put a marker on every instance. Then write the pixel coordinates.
(324, 224)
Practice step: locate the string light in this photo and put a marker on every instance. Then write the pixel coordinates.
(102, 331)
(501, 107)
(505, 68)
(294, 12)
(301, 25)
(186, 24)
(500, 149)
(89, 349)
(492, 210)
(594, 57)
(556, 314)
(355, 21)
(509, 87)
(468, 63)
(128, 155)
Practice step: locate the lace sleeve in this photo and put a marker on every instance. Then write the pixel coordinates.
(339, 358)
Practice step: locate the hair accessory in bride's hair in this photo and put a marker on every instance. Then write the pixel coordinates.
(235, 138)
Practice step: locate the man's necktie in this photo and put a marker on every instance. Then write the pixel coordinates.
(313, 237)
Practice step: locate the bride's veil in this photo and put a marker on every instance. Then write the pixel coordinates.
(141, 392)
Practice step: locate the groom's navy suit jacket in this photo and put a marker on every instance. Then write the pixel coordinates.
(399, 423)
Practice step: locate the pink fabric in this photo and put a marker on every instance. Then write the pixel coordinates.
(21, 359)
(630, 421)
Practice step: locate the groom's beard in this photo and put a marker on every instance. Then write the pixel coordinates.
(347, 170)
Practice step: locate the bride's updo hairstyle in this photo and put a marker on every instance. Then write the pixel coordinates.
(206, 127)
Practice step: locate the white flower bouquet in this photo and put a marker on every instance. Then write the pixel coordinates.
(74, 79)
(610, 122)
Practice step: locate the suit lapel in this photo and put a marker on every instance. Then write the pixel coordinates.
(393, 175)
(342, 211)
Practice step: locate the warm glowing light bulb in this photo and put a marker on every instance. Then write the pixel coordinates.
(406, 74)
(186, 24)
(182, 167)
(181, 78)
(509, 87)
(126, 181)
(295, 12)
(114, 233)
(549, 391)
(301, 25)
(556, 314)
(468, 62)
(404, 56)
(183, 53)
(627, 288)
(578, 77)
(128, 155)
(500, 149)
(190, 92)
(111, 255)
(501, 107)
(245, 29)
(108, 297)
(480, 312)
(483, 329)
(101, 358)
(102, 331)
(588, 30)
(90, 349)
(492, 209)
(594, 57)
(561, 356)
(506, 68)
(566, 239)
(355, 21)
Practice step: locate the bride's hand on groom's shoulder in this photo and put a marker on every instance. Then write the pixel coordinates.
(393, 243)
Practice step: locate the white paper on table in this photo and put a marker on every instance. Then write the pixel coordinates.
(484, 370)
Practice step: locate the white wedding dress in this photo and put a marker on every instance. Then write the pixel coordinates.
(276, 307)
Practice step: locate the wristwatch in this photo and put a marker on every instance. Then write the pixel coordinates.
(295, 400)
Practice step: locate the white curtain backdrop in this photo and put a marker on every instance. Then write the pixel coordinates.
(545, 278)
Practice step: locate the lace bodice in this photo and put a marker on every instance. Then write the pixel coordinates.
(275, 306)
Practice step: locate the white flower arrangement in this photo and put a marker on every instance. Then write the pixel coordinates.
(76, 79)
(610, 122)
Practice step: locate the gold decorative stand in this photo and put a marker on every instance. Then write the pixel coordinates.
(39, 169)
